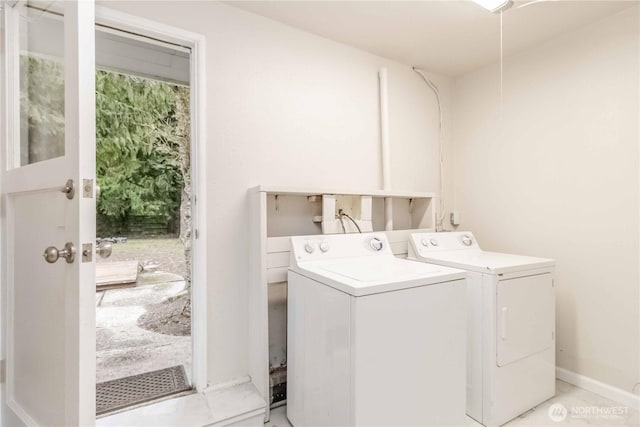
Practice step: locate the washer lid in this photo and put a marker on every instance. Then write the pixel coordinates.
(370, 275)
(486, 262)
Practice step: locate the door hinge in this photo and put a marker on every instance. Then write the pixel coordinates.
(3, 371)
(197, 233)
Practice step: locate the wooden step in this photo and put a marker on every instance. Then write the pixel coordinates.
(119, 274)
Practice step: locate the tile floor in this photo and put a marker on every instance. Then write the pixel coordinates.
(576, 400)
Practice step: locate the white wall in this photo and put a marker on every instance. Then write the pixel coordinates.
(288, 108)
(557, 176)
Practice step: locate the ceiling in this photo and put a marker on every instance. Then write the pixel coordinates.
(451, 37)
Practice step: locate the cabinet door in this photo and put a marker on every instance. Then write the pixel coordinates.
(525, 317)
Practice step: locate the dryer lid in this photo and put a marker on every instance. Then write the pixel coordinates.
(487, 262)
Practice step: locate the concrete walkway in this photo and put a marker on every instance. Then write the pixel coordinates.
(123, 348)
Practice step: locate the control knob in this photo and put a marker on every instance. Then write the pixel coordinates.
(466, 239)
(424, 242)
(324, 246)
(308, 247)
(434, 242)
(376, 244)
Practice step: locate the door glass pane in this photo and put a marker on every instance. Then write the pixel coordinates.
(41, 49)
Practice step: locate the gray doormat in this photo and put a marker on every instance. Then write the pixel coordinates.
(128, 391)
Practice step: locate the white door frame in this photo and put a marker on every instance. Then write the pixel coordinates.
(196, 42)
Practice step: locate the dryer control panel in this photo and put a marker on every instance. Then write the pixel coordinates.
(423, 243)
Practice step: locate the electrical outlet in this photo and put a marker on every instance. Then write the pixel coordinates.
(279, 393)
(454, 218)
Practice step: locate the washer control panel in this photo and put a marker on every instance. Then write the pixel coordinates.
(424, 243)
(376, 244)
(332, 246)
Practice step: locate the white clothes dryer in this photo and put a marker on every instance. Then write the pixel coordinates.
(511, 324)
(373, 340)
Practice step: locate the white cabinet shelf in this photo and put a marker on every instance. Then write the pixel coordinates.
(293, 191)
(276, 213)
(295, 211)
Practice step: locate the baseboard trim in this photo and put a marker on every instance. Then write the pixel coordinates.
(610, 392)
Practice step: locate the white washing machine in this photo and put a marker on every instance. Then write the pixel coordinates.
(511, 324)
(373, 340)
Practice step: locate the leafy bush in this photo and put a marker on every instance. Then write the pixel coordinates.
(41, 109)
(140, 146)
(137, 161)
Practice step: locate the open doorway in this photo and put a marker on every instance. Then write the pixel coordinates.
(143, 170)
(47, 94)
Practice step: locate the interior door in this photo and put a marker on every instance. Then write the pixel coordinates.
(48, 189)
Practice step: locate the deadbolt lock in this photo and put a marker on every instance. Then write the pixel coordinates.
(69, 189)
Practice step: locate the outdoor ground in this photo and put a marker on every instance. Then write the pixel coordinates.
(168, 253)
(132, 335)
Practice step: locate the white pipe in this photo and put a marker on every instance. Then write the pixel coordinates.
(386, 149)
(384, 130)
